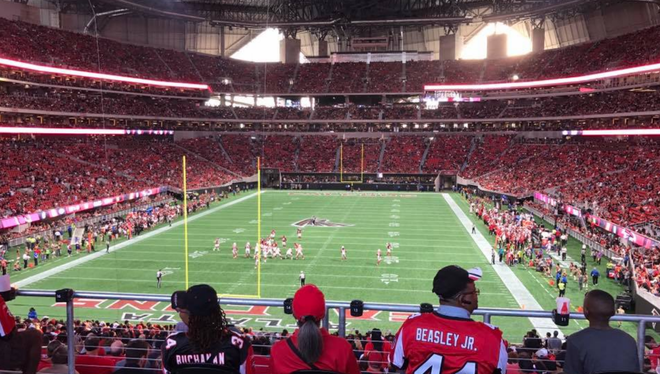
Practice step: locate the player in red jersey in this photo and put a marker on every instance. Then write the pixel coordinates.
(283, 241)
(388, 247)
(299, 233)
(448, 341)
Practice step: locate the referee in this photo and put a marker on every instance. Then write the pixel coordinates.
(159, 278)
(302, 278)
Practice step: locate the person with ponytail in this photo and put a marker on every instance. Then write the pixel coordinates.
(209, 342)
(311, 347)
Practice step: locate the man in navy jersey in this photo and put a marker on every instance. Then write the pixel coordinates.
(448, 341)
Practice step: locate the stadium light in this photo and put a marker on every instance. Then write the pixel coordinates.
(542, 83)
(110, 77)
(611, 132)
(68, 131)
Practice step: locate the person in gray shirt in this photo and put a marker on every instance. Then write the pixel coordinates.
(554, 343)
(600, 348)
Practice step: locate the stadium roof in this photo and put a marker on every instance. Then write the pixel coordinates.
(323, 15)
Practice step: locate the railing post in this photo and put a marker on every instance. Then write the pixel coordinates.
(641, 332)
(70, 341)
(342, 322)
(487, 318)
(326, 320)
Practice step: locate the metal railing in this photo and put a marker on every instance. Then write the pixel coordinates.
(342, 306)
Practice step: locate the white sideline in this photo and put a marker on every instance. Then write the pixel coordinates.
(510, 280)
(58, 269)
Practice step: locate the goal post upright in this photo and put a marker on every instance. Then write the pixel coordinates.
(362, 165)
(185, 220)
(341, 162)
(341, 165)
(258, 247)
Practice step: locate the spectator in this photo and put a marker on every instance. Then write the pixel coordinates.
(425, 343)
(600, 348)
(58, 353)
(93, 361)
(137, 358)
(554, 343)
(209, 343)
(32, 314)
(376, 354)
(512, 366)
(311, 347)
(19, 350)
(653, 352)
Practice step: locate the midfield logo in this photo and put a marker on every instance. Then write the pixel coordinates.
(318, 222)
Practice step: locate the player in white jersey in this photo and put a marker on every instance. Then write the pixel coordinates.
(389, 250)
(268, 251)
(248, 249)
(234, 251)
(289, 253)
(256, 259)
(299, 232)
(277, 252)
(272, 234)
(299, 251)
(379, 257)
(343, 253)
(216, 246)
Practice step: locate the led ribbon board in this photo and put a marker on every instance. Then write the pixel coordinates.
(543, 83)
(109, 77)
(9, 222)
(69, 131)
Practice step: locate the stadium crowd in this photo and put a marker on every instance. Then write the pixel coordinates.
(63, 172)
(91, 168)
(39, 44)
(114, 347)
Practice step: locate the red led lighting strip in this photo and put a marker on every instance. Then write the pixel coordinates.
(110, 77)
(67, 131)
(542, 83)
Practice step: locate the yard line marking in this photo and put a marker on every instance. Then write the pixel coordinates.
(510, 280)
(273, 285)
(226, 250)
(136, 239)
(273, 271)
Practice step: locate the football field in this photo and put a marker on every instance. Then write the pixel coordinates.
(427, 231)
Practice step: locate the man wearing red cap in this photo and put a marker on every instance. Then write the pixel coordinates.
(448, 341)
(312, 347)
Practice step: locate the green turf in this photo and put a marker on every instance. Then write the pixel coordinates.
(428, 234)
